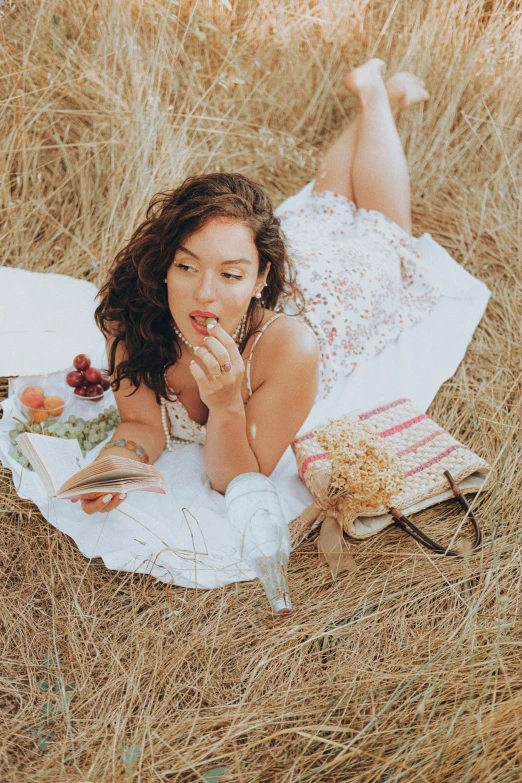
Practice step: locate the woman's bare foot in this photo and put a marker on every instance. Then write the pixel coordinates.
(366, 80)
(404, 90)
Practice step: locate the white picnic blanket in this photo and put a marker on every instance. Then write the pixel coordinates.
(184, 536)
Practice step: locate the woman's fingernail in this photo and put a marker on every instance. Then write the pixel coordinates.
(192, 361)
(123, 495)
(211, 322)
(106, 498)
(196, 348)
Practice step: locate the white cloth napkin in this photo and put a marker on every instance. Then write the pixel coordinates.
(36, 335)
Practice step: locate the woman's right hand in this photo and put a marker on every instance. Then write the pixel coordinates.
(96, 501)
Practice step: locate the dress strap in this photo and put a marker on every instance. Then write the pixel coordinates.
(258, 337)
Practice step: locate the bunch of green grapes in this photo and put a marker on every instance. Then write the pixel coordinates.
(87, 433)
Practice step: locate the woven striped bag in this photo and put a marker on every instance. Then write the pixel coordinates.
(434, 466)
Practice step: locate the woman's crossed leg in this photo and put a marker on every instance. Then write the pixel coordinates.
(367, 163)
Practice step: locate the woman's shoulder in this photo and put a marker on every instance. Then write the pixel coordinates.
(281, 332)
(287, 343)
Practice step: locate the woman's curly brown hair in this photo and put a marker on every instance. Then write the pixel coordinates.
(133, 305)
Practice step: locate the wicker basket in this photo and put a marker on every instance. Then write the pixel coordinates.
(424, 450)
(3, 393)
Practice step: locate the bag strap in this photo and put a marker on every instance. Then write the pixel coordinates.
(402, 521)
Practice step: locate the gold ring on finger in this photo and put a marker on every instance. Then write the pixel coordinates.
(216, 376)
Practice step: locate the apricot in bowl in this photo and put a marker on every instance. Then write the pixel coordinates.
(40, 404)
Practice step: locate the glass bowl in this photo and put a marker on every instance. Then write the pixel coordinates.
(89, 399)
(43, 402)
(87, 387)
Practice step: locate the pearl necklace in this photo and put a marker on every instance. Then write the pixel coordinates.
(170, 440)
(239, 332)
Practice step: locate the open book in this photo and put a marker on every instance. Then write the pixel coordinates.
(61, 466)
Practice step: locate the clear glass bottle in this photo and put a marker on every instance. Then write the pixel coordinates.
(254, 509)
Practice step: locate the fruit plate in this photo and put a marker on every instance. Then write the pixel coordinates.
(87, 382)
(40, 399)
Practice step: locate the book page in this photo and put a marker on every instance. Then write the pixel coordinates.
(54, 459)
(124, 465)
(113, 487)
(113, 474)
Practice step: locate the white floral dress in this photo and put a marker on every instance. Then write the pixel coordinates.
(362, 279)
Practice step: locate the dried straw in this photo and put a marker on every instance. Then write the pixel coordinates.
(408, 669)
(366, 474)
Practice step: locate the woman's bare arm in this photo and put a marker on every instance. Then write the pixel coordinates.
(141, 423)
(254, 437)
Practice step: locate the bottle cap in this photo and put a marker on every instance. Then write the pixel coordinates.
(281, 605)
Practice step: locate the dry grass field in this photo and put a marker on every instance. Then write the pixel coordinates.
(409, 669)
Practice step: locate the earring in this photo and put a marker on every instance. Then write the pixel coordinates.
(164, 279)
(258, 295)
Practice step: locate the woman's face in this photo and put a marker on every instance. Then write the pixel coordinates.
(214, 275)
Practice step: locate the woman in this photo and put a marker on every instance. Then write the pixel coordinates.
(212, 249)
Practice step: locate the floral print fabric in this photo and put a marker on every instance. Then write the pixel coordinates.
(181, 425)
(362, 279)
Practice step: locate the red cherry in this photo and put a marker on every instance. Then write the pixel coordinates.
(82, 361)
(92, 375)
(105, 381)
(95, 390)
(74, 378)
(81, 391)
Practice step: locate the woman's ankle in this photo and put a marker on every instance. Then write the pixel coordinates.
(375, 97)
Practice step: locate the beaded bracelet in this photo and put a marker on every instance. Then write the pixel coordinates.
(130, 445)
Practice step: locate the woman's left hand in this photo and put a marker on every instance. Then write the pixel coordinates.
(218, 370)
